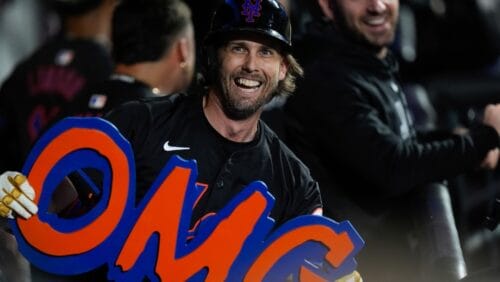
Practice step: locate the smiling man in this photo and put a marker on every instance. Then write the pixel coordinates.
(371, 24)
(248, 61)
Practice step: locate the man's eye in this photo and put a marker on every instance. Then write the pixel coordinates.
(238, 49)
(266, 52)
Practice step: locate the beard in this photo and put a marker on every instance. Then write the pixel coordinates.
(235, 108)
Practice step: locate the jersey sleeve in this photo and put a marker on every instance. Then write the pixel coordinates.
(307, 193)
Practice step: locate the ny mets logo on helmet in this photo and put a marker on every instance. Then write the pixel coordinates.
(251, 9)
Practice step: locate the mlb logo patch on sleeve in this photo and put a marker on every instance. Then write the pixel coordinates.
(64, 57)
(97, 101)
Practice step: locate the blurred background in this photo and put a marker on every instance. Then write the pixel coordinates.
(449, 52)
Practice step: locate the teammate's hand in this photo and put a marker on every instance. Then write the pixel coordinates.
(17, 195)
(491, 160)
(492, 116)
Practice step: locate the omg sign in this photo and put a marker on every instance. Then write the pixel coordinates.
(152, 239)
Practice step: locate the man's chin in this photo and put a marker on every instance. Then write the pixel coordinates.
(375, 44)
(237, 114)
(374, 47)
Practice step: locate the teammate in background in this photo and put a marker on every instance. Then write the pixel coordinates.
(43, 84)
(154, 55)
(351, 124)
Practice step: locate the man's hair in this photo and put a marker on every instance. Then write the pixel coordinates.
(143, 30)
(210, 70)
(287, 85)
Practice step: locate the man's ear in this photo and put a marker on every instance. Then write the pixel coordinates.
(283, 69)
(182, 47)
(326, 8)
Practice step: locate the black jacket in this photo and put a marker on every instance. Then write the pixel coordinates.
(349, 121)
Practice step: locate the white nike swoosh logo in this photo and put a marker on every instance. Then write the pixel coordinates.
(167, 147)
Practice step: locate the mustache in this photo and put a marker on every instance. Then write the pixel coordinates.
(251, 76)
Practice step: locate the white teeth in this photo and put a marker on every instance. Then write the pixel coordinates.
(247, 82)
(375, 21)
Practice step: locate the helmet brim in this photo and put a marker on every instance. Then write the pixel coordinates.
(222, 36)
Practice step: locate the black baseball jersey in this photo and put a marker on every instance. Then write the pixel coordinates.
(95, 101)
(40, 87)
(176, 125)
(100, 98)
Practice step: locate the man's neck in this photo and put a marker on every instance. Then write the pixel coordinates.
(234, 130)
(152, 74)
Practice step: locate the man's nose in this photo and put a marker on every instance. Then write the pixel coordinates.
(250, 62)
(377, 6)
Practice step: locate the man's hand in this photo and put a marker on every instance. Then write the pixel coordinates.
(17, 195)
(491, 160)
(492, 116)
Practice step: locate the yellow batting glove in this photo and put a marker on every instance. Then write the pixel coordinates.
(353, 277)
(17, 195)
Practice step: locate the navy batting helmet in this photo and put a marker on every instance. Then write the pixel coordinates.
(265, 18)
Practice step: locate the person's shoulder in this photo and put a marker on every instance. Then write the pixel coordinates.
(142, 114)
(153, 104)
(285, 158)
(164, 103)
(26, 63)
(151, 108)
(119, 90)
(276, 144)
(83, 55)
(87, 55)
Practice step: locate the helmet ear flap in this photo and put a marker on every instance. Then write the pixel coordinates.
(209, 64)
